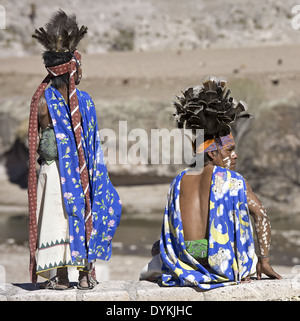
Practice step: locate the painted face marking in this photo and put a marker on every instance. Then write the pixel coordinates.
(227, 162)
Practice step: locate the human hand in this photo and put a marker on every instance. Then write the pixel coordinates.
(263, 266)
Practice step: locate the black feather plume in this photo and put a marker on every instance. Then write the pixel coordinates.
(61, 33)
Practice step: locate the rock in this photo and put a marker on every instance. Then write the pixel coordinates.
(269, 153)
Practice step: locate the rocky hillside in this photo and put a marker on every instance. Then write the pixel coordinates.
(143, 25)
(269, 157)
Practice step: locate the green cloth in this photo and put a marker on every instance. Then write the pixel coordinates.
(48, 147)
(198, 249)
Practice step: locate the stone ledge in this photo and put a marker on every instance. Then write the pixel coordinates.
(262, 290)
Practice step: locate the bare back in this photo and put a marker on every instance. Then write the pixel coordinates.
(194, 204)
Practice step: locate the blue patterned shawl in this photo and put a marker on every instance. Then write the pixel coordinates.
(231, 246)
(105, 202)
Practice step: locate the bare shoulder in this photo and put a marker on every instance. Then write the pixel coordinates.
(253, 200)
(197, 180)
(248, 186)
(207, 172)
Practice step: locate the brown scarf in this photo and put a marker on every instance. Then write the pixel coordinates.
(71, 68)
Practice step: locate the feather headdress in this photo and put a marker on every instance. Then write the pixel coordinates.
(61, 34)
(209, 107)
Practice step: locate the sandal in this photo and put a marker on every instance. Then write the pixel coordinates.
(55, 284)
(86, 281)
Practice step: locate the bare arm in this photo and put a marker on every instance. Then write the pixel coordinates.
(43, 113)
(263, 233)
(261, 223)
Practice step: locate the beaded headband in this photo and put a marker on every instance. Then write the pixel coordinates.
(216, 143)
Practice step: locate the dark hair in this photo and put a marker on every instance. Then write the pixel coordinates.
(206, 158)
(51, 59)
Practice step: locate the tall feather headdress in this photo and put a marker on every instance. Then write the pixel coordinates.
(209, 107)
(61, 33)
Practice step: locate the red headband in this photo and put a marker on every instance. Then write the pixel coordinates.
(66, 67)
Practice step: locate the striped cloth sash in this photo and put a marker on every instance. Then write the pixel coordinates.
(71, 68)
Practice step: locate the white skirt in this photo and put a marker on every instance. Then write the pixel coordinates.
(52, 223)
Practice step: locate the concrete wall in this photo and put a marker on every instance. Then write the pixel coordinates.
(266, 289)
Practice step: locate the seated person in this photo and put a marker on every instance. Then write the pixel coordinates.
(207, 237)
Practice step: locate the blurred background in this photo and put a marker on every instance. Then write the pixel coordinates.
(137, 55)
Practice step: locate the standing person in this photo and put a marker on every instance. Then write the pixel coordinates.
(206, 238)
(74, 209)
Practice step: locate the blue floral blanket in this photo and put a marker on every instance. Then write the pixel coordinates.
(105, 201)
(230, 246)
